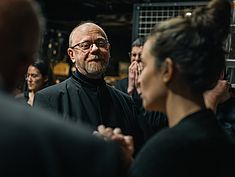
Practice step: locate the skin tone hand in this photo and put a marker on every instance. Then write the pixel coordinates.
(126, 142)
(139, 70)
(135, 70)
(132, 77)
(219, 94)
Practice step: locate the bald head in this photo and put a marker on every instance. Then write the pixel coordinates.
(21, 24)
(83, 28)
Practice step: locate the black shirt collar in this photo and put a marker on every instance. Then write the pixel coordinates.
(88, 81)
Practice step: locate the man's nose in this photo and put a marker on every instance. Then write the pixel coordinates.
(94, 46)
(138, 58)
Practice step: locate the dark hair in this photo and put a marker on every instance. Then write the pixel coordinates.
(45, 70)
(195, 44)
(138, 42)
(42, 67)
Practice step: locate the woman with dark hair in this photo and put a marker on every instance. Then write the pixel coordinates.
(183, 57)
(38, 77)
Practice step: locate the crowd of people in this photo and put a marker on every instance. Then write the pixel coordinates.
(164, 123)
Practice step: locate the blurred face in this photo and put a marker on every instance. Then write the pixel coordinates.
(153, 90)
(136, 53)
(35, 80)
(91, 50)
(19, 34)
(17, 57)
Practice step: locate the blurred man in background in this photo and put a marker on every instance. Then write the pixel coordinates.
(150, 122)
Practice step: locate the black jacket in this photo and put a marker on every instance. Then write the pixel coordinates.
(34, 143)
(93, 102)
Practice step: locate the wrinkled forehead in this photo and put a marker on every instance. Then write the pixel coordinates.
(137, 49)
(88, 30)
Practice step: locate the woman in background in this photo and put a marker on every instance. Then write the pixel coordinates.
(38, 77)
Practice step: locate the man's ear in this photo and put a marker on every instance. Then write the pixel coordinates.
(167, 70)
(71, 54)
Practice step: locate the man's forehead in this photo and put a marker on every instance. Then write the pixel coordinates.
(89, 29)
(137, 48)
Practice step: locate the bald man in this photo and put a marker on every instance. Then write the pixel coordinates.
(32, 142)
(85, 96)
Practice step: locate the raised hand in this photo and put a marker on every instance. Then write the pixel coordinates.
(132, 74)
(135, 70)
(219, 94)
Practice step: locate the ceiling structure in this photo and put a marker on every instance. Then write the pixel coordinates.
(114, 16)
(105, 12)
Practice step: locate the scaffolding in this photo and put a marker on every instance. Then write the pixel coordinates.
(146, 15)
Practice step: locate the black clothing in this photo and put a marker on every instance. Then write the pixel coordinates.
(150, 122)
(23, 98)
(196, 146)
(93, 102)
(34, 144)
(226, 116)
(122, 84)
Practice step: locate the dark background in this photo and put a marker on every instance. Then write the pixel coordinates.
(114, 16)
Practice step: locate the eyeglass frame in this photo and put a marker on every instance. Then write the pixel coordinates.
(91, 44)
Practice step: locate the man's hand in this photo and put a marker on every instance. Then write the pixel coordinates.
(125, 141)
(219, 94)
(135, 70)
(132, 77)
(139, 70)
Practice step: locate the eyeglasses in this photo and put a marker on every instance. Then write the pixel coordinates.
(86, 45)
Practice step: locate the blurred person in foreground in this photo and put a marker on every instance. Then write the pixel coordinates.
(33, 142)
(183, 57)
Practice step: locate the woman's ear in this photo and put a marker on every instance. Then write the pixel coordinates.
(167, 70)
(71, 54)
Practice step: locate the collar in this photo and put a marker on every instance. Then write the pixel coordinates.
(82, 79)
